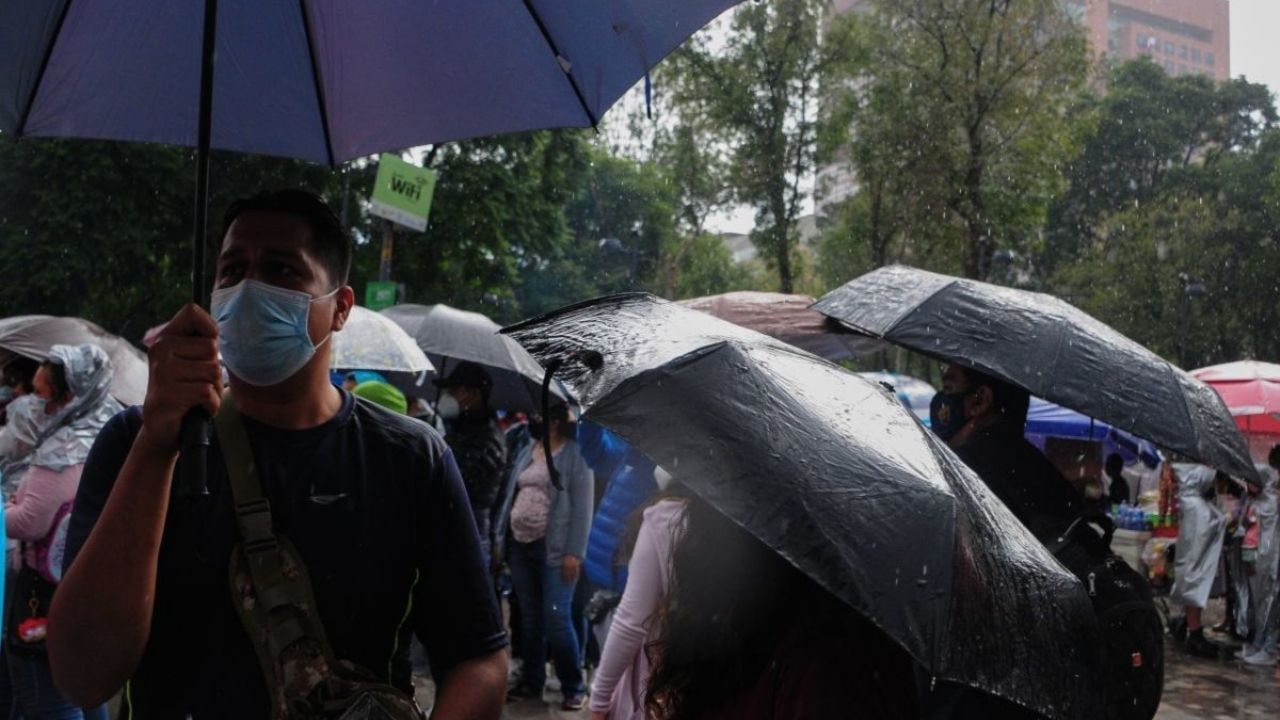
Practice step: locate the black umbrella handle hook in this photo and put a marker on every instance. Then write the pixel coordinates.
(594, 361)
(554, 474)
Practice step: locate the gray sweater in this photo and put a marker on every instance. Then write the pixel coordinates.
(569, 516)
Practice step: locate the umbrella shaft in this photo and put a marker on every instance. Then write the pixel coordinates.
(204, 130)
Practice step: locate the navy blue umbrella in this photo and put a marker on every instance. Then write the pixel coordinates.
(323, 80)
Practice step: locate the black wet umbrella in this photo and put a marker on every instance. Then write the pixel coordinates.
(1048, 347)
(831, 471)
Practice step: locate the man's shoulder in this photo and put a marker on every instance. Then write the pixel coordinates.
(397, 431)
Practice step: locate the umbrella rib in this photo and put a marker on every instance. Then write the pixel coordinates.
(555, 51)
(44, 65)
(315, 78)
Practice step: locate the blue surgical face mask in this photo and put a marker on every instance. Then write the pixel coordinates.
(946, 414)
(262, 331)
(6, 393)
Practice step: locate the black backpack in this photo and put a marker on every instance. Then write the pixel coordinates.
(1132, 633)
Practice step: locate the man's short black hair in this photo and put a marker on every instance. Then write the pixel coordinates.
(1011, 401)
(1273, 457)
(1115, 464)
(332, 246)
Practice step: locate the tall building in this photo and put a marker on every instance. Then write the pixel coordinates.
(1185, 37)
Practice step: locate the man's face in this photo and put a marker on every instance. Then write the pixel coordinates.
(955, 380)
(43, 384)
(278, 249)
(468, 398)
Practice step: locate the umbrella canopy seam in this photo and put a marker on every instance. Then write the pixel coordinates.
(317, 81)
(565, 65)
(44, 65)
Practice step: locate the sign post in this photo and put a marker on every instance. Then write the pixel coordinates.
(401, 196)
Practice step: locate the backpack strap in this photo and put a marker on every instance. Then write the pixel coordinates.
(274, 588)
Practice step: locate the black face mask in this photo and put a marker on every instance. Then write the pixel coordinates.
(536, 428)
(946, 414)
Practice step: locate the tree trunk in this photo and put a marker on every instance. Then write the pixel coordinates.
(781, 242)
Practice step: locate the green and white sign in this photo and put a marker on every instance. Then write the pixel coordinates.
(402, 192)
(379, 294)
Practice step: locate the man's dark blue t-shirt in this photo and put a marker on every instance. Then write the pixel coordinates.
(374, 504)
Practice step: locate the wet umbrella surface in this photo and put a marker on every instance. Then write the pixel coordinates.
(1049, 348)
(449, 336)
(831, 471)
(32, 335)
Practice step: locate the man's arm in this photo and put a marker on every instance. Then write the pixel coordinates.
(474, 690)
(101, 616)
(456, 614)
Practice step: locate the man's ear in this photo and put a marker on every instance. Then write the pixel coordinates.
(345, 299)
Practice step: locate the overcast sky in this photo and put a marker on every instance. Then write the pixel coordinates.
(1255, 46)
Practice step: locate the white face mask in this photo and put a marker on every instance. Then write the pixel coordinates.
(263, 331)
(448, 408)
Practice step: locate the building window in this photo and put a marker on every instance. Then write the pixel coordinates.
(1208, 59)
(1182, 51)
(1168, 48)
(1168, 66)
(1196, 56)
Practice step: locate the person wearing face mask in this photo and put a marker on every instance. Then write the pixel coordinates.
(984, 420)
(69, 407)
(477, 441)
(547, 529)
(370, 501)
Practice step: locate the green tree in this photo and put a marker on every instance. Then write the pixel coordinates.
(102, 230)
(498, 210)
(1152, 133)
(963, 117)
(758, 92)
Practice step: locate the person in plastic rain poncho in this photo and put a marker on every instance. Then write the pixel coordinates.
(1200, 532)
(1261, 570)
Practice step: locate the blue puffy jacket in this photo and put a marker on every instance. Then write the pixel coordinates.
(630, 484)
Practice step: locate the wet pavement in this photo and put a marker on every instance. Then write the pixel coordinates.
(1194, 689)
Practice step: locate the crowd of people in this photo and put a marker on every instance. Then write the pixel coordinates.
(339, 529)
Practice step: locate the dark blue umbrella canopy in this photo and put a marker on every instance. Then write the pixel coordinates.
(328, 80)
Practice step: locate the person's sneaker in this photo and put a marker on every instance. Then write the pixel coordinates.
(1200, 646)
(1244, 653)
(1261, 658)
(577, 701)
(523, 692)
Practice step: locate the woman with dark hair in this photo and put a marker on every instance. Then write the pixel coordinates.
(548, 528)
(745, 635)
(618, 689)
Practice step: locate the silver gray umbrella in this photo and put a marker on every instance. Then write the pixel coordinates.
(1049, 348)
(31, 336)
(450, 336)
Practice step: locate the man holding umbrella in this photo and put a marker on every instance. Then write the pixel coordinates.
(983, 419)
(371, 502)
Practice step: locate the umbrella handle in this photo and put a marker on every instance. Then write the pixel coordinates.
(593, 361)
(552, 472)
(197, 432)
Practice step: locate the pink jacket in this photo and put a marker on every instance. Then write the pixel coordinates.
(621, 680)
(29, 516)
